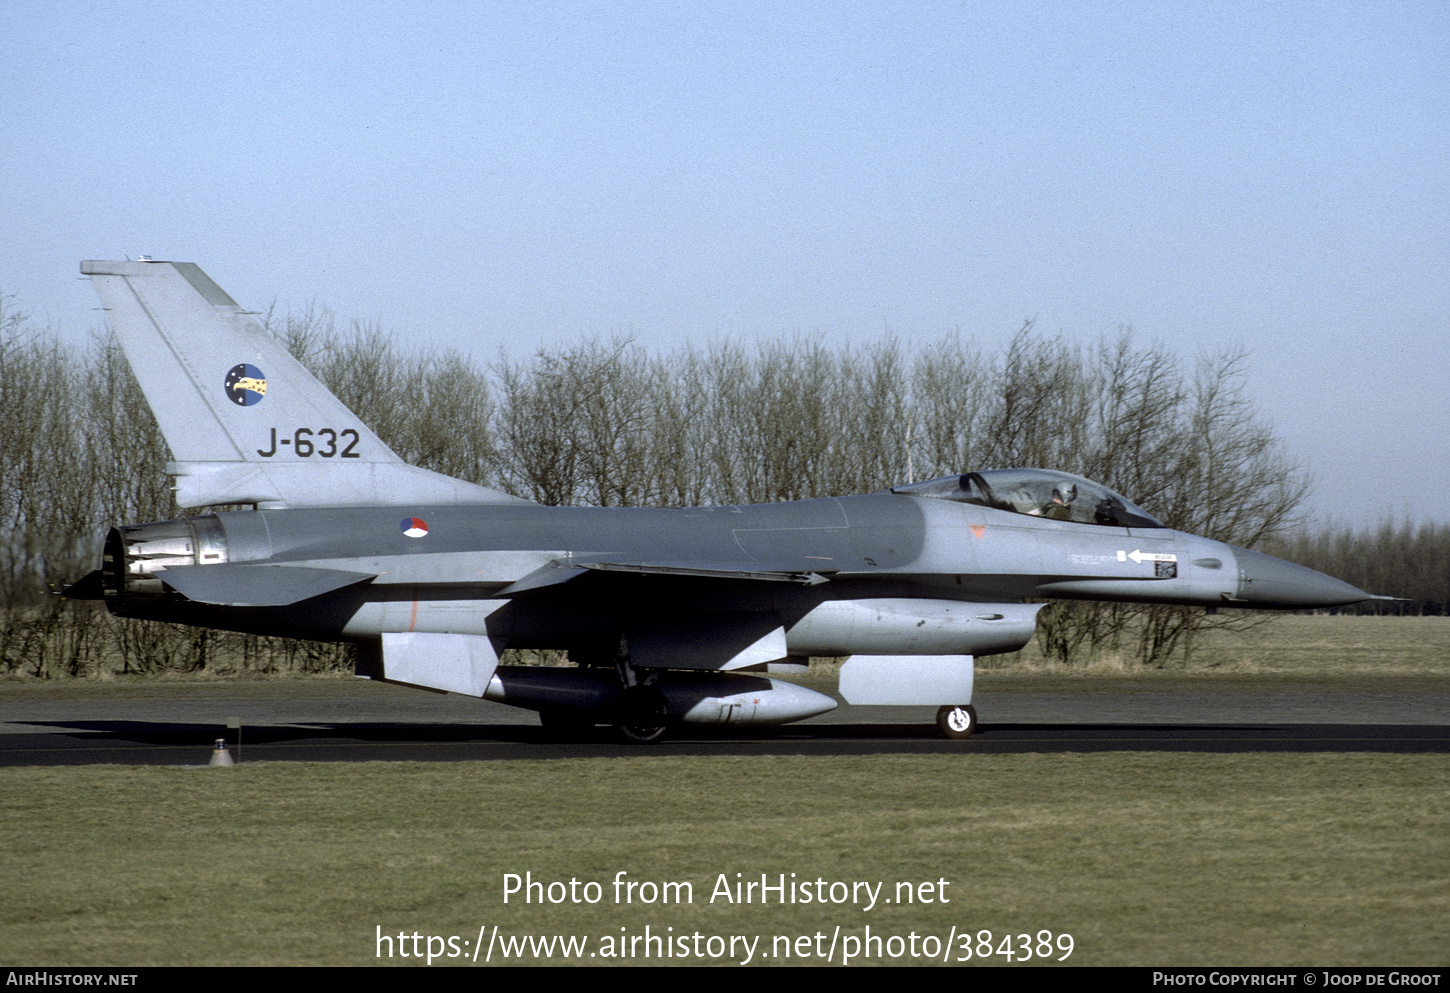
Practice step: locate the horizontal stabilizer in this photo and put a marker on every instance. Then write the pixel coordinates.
(256, 585)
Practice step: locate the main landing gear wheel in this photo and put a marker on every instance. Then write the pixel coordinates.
(643, 715)
(957, 722)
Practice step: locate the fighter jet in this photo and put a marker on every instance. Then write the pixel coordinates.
(672, 616)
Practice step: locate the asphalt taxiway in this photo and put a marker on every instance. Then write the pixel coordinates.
(171, 724)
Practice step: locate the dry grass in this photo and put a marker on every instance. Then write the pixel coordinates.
(1301, 645)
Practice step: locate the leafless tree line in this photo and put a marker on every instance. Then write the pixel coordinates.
(1399, 559)
(608, 423)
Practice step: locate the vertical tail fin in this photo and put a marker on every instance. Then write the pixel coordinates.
(245, 421)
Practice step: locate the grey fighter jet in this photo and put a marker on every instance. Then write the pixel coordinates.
(673, 615)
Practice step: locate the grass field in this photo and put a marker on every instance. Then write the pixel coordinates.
(1302, 645)
(1143, 859)
(1154, 859)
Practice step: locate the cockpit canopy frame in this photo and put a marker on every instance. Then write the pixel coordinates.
(1044, 493)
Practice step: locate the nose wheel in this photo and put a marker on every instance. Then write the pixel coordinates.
(957, 722)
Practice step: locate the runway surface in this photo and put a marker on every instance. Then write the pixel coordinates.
(357, 722)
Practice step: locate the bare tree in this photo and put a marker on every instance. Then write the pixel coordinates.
(951, 383)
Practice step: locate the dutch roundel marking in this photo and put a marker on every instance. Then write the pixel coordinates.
(414, 527)
(245, 385)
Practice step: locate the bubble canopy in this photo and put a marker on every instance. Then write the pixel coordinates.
(1057, 496)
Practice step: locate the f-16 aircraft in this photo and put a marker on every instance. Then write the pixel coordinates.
(673, 616)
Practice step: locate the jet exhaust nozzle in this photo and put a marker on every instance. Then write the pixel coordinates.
(135, 555)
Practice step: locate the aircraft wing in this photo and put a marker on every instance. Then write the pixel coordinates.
(563, 571)
(710, 570)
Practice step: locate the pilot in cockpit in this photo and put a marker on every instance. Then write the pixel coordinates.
(1059, 508)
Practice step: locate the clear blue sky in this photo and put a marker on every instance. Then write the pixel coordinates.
(482, 175)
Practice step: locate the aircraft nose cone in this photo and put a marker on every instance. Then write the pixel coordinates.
(1265, 581)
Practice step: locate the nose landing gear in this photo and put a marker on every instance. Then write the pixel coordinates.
(957, 722)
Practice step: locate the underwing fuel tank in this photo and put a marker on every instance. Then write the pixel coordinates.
(690, 697)
(900, 626)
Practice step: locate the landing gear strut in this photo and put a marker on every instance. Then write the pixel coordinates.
(957, 722)
(642, 713)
